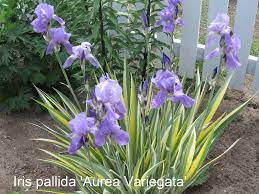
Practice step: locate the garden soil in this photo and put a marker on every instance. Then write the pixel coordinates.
(234, 174)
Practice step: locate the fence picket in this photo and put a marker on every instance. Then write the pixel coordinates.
(190, 35)
(188, 49)
(244, 27)
(215, 7)
(256, 79)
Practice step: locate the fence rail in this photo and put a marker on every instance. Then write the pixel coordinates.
(252, 63)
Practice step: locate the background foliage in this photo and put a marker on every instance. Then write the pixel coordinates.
(21, 57)
(114, 35)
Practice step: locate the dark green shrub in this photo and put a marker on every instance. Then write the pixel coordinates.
(114, 34)
(21, 58)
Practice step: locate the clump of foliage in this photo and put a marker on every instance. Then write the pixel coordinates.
(21, 61)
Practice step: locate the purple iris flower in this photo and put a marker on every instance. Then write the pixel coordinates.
(169, 87)
(167, 61)
(110, 127)
(229, 43)
(164, 80)
(215, 71)
(81, 126)
(59, 37)
(82, 52)
(232, 47)
(144, 19)
(109, 92)
(143, 91)
(168, 16)
(167, 19)
(145, 87)
(108, 107)
(219, 26)
(179, 96)
(45, 13)
(174, 2)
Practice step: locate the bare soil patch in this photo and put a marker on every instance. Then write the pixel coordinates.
(19, 154)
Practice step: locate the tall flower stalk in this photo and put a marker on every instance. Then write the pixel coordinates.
(102, 32)
(169, 19)
(67, 80)
(229, 44)
(57, 37)
(227, 49)
(145, 16)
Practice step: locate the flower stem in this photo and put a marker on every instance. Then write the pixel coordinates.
(67, 80)
(147, 37)
(85, 82)
(102, 33)
(146, 57)
(172, 54)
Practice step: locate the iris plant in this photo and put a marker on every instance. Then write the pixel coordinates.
(109, 107)
(153, 136)
(229, 44)
(169, 16)
(107, 104)
(106, 108)
(57, 37)
(83, 53)
(45, 13)
(169, 87)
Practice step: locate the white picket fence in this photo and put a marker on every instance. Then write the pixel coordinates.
(189, 50)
